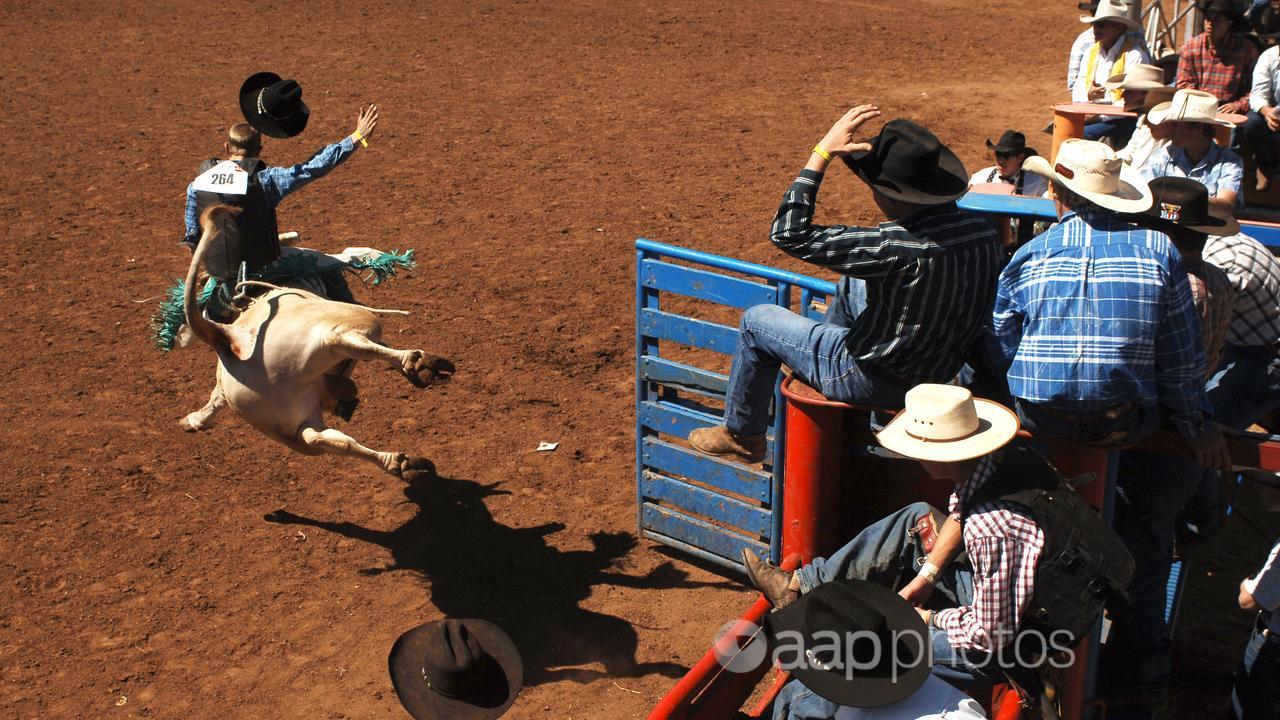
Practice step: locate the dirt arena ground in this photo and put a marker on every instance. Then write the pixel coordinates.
(523, 147)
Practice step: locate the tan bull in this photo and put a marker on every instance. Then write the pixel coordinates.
(278, 365)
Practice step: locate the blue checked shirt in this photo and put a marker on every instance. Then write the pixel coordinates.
(1220, 169)
(930, 278)
(1095, 313)
(279, 182)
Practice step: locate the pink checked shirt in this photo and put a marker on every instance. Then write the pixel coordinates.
(1004, 545)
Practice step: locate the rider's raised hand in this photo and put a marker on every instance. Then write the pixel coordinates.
(366, 123)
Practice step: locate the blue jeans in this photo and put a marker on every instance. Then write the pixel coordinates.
(1263, 142)
(816, 351)
(1126, 429)
(1245, 389)
(886, 553)
(1256, 695)
(1152, 490)
(1118, 129)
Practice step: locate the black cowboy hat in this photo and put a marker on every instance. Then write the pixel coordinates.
(273, 106)
(909, 163)
(853, 642)
(1230, 8)
(1011, 141)
(456, 670)
(1178, 202)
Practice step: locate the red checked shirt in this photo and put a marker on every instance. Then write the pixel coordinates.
(1004, 544)
(1226, 73)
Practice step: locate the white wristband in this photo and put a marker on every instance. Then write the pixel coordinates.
(929, 572)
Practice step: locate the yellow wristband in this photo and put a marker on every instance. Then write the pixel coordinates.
(360, 137)
(822, 153)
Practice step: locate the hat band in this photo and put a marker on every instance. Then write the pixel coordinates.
(977, 429)
(262, 108)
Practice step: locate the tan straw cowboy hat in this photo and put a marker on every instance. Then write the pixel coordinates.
(1137, 77)
(1119, 11)
(1188, 106)
(946, 423)
(1092, 171)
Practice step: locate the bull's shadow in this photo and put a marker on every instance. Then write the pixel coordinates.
(480, 568)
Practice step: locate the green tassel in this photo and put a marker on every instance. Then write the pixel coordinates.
(385, 265)
(171, 316)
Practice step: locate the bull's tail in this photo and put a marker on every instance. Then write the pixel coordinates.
(210, 332)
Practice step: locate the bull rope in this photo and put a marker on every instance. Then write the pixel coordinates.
(169, 317)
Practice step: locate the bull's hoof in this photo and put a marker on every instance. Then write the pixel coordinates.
(417, 470)
(189, 425)
(430, 369)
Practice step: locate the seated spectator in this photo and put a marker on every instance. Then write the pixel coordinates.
(1009, 152)
(1085, 40)
(1246, 387)
(1110, 52)
(1263, 126)
(1155, 487)
(1192, 153)
(981, 610)
(915, 291)
(1147, 139)
(1133, 84)
(1103, 383)
(1257, 688)
(1220, 60)
(1167, 61)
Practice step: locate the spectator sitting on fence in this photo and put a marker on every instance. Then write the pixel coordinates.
(1257, 687)
(1192, 152)
(987, 610)
(1147, 139)
(1262, 129)
(1146, 361)
(1110, 52)
(1220, 60)
(1154, 487)
(929, 274)
(1084, 41)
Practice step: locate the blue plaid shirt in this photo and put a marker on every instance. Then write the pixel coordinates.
(1095, 313)
(278, 182)
(1220, 169)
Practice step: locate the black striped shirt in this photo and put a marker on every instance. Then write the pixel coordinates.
(931, 280)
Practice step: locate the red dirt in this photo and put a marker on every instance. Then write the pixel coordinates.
(523, 146)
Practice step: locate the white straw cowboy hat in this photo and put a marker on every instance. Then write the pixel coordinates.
(1188, 106)
(946, 423)
(1137, 77)
(1092, 171)
(1119, 11)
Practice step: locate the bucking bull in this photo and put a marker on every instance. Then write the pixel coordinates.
(280, 364)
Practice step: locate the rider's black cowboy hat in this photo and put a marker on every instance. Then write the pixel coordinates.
(908, 163)
(456, 670)
(273, 106)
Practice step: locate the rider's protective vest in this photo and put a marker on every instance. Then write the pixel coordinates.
(249, 236)
(1083, 566)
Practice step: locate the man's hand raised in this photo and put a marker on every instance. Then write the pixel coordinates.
(839, 139)
(366, 123)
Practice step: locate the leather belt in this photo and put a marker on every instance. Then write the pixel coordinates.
(1110, 413)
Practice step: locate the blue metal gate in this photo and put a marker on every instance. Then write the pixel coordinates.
(708, 507)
